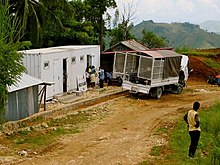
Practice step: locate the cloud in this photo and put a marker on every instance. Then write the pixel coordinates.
(194, 11)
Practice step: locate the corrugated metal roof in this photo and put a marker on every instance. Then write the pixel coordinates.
(24, 82)
(161, 53)
(134, 45)
(57, 49)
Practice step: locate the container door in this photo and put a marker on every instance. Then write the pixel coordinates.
(56, 76)
(89, 60)
(64, 75)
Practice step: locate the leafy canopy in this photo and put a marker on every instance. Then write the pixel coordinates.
(152, 40)
(11, 65)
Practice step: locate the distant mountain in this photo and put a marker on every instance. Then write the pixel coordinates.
(211, 26)
(179, 34)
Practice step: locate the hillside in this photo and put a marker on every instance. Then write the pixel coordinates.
(179, 34)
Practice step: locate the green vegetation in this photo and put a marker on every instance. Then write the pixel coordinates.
(196, 52)
(208, 55)
(34, 139)
(61, 22)
(152, 40)
(156, 150)
(40, 134)
(208, 151)
(162, 130)
(11, 65)
(212, 64)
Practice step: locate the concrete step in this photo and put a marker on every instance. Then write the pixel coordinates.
(68, 97)
(63, 98)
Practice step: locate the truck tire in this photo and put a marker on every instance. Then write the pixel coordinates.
(159, 93)
(177, 89)
(156, 92)
(120, 81)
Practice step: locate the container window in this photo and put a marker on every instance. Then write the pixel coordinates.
(46, 65)
(73, 60)
(81, 59)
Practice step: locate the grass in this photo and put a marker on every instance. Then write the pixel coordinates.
(162, 130)
(208, 151)
(35, 138)
(196, 52)
(46, 132)
(212, 64)
(156, 150)
(207, 54)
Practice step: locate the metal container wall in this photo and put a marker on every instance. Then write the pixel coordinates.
(22, 103)
(51, 64)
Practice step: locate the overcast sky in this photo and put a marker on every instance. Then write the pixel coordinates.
(193, 11)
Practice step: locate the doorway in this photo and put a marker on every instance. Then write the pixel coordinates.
(89, 60)
(64, 75)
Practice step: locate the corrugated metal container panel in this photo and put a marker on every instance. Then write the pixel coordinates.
(32, 64)
(22, 103)
(53, 64)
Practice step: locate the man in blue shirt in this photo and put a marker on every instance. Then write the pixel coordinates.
(109, 78)
(101, 77)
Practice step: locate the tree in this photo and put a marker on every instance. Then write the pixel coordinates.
(152, 40)
(95, 15)
(11, 65)
(76, 30)
(121, 29)
(38, 16)
(26, 14)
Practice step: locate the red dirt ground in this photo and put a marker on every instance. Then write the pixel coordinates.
(201, 71)
(126, 135)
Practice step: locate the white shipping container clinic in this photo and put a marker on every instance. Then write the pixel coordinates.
(64, 66)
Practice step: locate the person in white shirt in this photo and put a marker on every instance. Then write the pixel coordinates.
(192, 119)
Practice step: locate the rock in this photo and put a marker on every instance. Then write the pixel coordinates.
(23, 153)
(44, 125)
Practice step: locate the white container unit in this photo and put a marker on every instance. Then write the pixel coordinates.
(64, 66)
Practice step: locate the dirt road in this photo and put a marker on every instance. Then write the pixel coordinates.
(126, 135)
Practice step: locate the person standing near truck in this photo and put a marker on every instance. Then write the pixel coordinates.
(109, 78)
(101, 77)
(192, 119)
(93, 75)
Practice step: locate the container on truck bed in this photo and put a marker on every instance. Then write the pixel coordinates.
(151, 72)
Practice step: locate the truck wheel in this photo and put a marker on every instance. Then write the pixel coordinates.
(156, 92)
(120, 81)
(179, 89)
(159, 92)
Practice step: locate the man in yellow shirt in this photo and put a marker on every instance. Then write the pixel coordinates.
(192, 119)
